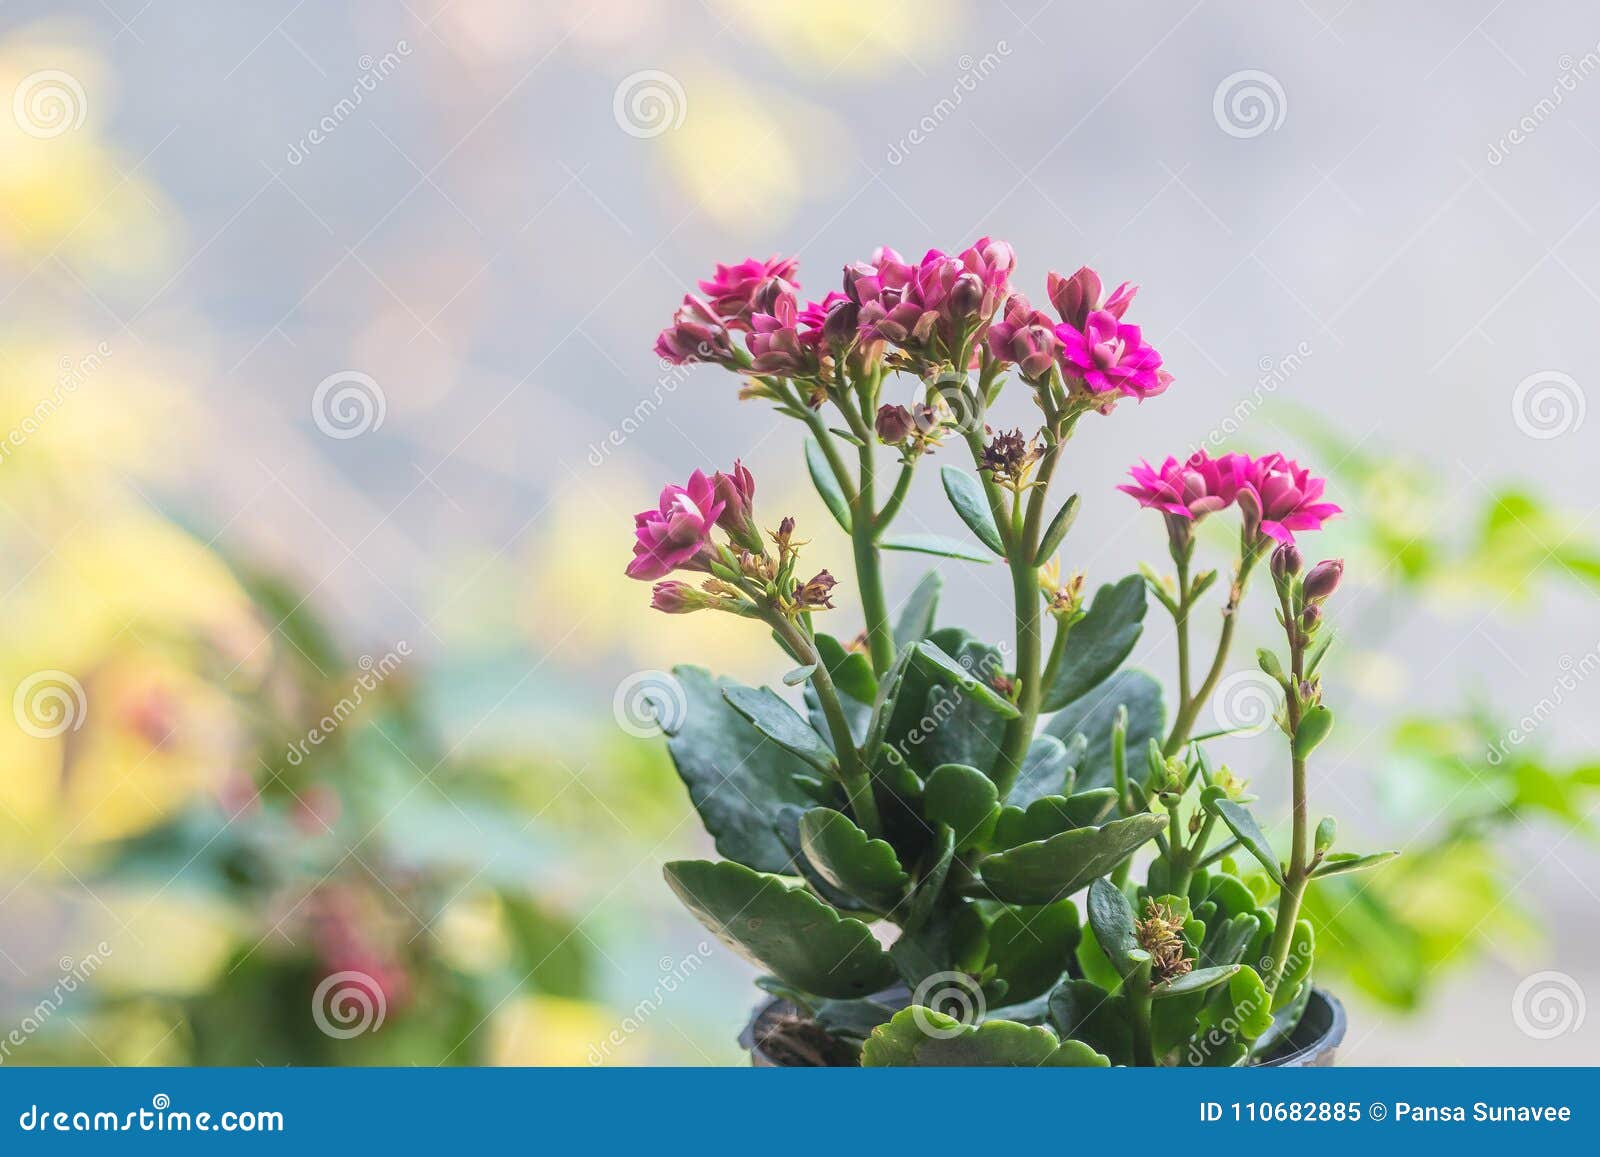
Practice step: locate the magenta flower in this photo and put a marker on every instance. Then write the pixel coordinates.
(1191, 489)
(1110, 357)
(784, 339)
(697, 334)
(734, 289)
(1025, 337)
(672, 535)
(925, 307)
(1076, 297)
(1279, 496)
(736, 490)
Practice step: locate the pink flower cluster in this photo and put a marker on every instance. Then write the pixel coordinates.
(1092, 345)
(929, 309)
(1276, 495)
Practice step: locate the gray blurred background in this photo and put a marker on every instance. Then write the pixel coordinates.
(1354, 224)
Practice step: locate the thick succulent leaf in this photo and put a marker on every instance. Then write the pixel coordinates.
(921, 1036)
(1048, 870)
(738, 780)
(972, 506)
(789, 830)
(1245, 829)
(848, 859)
(785, 930)
(1057, 530)
(1195, 980)
(935, 544)
(1113, 920)
(851, 671)
(827, 485)
(1051, 815)
(887, 708)
(925, 896)
(1048, 769)
(1029, 947)
(780, 723)
(938, 665)
(1302, 949)
(1283, 1021)
(1099, 642)
(1338, 863)
(916, 613)
(1226, 942)
(965, 800)
(1093, 716)
(851, 1020)
(1082, 1010)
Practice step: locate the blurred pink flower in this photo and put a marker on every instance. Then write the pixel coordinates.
(734, 289)
(1279, 496)
(1025, 337)
(1076, 297)
(673, 534)
(697, 334)
(1192, 489)
(1111, 357)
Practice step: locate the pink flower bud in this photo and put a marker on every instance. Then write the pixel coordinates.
(676, 598)
(894, 425)
(737, 491)
(1323, 579)
(1286, 560)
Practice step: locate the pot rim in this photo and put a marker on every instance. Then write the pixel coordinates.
(1316, 1053)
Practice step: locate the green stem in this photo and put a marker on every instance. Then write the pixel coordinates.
(1137, 987)
(869, 570)
(902, 487)
(1299, 869)
(853, 773)
(1189, 710)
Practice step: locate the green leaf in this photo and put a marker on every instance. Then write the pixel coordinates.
(966, 494)
(925, 896)
(1030, 947)
(1268, 662)
(799, 675)
(1082, 1010)
(1302, 949)
(1247, 1005)
(1246, 830)
(963, 798)
(1314, 728)
(844, 856)
(935, 663)
(1113, 921)
(783, 725)
(1057, 530)
(789, 831)
(1047, 870)
(1051, 815)
(1099, 642)
(827, 485)
(784, 930)
(1327, 832)
(851, 671)
(916, 613)
(1195, 980)
(883, 707)
(921, 1036)
(936, 544)
(1047, 769)
(1341, 862)
(737, 780)
(1093, 716)
(1319, 649)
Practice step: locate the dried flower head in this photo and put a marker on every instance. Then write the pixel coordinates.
(816, 593)
(1160, 934)
(1009, 457)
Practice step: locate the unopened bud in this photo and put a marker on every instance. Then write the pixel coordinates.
(1323, 579)
(894, 425)
(1286, 561)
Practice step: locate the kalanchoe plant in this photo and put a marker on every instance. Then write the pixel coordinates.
(903, 849)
